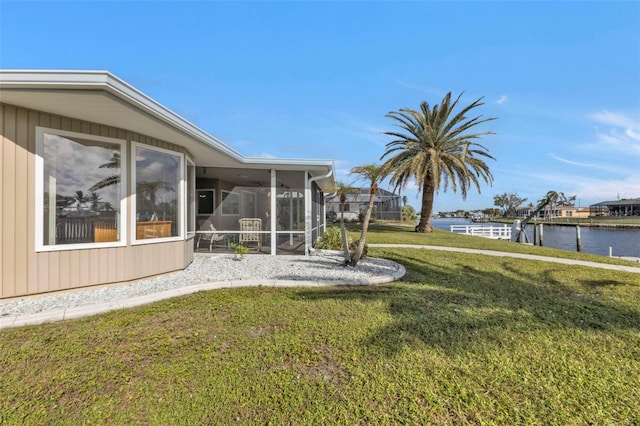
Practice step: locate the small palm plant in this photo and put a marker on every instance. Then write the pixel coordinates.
(342, 190)
(240, 250)
(373, 173)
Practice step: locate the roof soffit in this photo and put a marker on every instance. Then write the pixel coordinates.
(99, 97)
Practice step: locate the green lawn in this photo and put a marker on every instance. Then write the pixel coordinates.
(462, 339)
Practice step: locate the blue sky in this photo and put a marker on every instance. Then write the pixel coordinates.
(316, 79)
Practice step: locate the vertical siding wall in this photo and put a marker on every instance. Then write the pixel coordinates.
(22, 270)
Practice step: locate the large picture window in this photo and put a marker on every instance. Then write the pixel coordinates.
(79, 187)
(157, 176)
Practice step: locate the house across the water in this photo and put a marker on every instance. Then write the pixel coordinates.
(617, 208)
(101, 184)
(386, 206)
(553, 212)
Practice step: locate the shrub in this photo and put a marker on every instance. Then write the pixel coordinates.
(331, 239)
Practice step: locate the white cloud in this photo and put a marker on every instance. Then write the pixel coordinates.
(574, 163)
(614, 119)
(589, 189)
(602, 190)
(241, 142)
(632, 134)
(263, 155)
(502, 100)
(620, 134)
(617, 168)
(370, 133)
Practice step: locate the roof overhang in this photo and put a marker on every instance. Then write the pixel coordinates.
(100, 97)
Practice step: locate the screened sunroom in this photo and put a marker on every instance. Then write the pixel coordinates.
(270, 210)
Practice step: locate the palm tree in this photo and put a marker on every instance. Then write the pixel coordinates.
(148, 192)
(342, 190)
(433, 146)
(79, 198)
(550, 199)
(113, 163)
(405, 200)
(553, 199)
(373, 173)
(94, 198)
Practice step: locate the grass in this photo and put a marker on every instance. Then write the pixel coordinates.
(462, 339)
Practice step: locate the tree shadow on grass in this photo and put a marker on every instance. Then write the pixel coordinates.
(454, 305)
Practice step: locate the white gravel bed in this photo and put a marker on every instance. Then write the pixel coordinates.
(205, 268)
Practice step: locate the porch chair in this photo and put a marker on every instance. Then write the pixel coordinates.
(210, 235)
(250, 231)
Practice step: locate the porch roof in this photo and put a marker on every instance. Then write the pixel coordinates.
(100, 97)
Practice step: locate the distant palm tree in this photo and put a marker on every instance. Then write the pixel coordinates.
(405, 200)
(551, 199)
(94, 198)
(148, 192)
(80, 199)
(433, 146)
(373, 173)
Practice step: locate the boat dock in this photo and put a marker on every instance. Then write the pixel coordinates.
(486, 231)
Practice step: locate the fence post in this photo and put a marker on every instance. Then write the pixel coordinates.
(541, 232)
(578, 236)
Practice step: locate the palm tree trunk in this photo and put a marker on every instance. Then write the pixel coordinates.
(343, 234)
(426, 213)
(365, 226)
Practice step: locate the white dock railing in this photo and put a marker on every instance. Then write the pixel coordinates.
(495, 232)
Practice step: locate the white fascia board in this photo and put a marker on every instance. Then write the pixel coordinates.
(103, 80)
(92, 80)
(289, 162)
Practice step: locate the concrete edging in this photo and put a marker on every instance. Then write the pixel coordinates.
(11, 321)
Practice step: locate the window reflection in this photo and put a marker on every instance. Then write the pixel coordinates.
(81, 189)
(157, 185)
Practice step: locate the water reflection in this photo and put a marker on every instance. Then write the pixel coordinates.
(623, 242)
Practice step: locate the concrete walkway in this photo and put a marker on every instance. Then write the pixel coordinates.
(518, 256)
(10, 321)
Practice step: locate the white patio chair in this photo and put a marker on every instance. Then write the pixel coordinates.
(250, 231)
(210, 235)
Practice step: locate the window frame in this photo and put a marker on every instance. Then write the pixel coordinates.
(180, 225)
(190, 184)
(39, 191)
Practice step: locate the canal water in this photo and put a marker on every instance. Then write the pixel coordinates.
(623, 242)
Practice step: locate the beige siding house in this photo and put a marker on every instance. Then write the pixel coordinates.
(101, 184)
